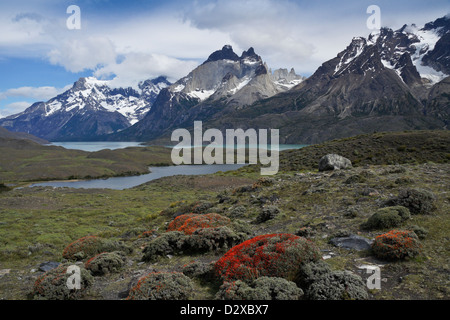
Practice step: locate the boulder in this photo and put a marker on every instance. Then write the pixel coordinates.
(352, 242)
(49, 265)
(334, 162)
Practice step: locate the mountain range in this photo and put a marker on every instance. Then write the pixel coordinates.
(389, 81)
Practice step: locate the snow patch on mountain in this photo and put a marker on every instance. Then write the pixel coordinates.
(201, 94)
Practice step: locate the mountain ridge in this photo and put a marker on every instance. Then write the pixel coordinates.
(89, 108)
(389, 80)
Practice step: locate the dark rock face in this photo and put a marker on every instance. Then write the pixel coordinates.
(439, 57)
(226, 53)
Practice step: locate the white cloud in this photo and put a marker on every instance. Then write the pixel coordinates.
(141, 66)
(77, 55)
(172, 39)
(32, 94)
(280, 31)
(14, 108)
(36, 93)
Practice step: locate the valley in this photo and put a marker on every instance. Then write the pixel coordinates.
(38, 223)
(360, 183)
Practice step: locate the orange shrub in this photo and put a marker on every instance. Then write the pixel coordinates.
(396, 244)
(274, 255)
(188, 223)
(82, 248)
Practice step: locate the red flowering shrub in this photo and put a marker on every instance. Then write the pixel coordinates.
(179, 221)
(275, 255)
(396, 244)
(162, 286)
(79, 249)
(188, 223)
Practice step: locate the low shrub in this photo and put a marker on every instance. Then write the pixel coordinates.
(213, 239)
(243, 189)
(197, 269)
(201, 241)
(82, 248)
(421, 233)
(168, 243)
(396, 245)
(356, 178)
(147, 234)
(277, 255)
(238, 212)
(305, 232)
(106, 262)
(188, 223)
(90, 246)
(267, 213)
(202, 207)
(263, 288)
(178, 208)
(162, 286)
(389, 217)
(418, 201)
(310, 272)
(52, 285)
(263, 182)
(337, 285)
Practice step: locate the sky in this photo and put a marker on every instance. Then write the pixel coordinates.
(45, 46)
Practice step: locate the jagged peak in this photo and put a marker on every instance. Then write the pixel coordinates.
(155, 81)
(443, 24)
(226, 53)
(88, 82)
(249, 53)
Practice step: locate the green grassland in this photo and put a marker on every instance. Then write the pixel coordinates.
(37, 223)
(24, 160)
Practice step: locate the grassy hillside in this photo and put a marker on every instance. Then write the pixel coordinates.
(384, 148)
(24, 160)
(38, 223)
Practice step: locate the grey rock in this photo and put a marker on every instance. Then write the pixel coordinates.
(49, 265)
(352, 242)
(334, 162)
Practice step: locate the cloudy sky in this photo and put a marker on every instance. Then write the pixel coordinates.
(134, 40)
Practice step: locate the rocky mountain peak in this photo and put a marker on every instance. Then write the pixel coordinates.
(441, 25)
(85, 83)
(226, 53)
(90, 108)
(250, 55)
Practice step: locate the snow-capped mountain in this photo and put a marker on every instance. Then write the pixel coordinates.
(91, 109)
(389, 81)
(239, 80)
(416, 54)
(223, 83)
(88, 109)
(390, 72)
